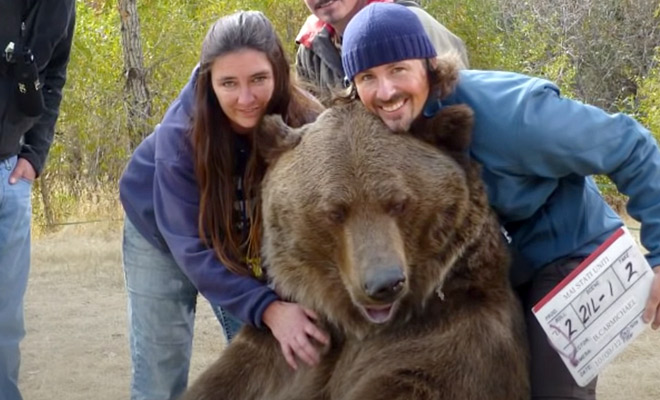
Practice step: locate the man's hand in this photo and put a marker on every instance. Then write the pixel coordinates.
(293, 326)
(652, 310)
(23, 170)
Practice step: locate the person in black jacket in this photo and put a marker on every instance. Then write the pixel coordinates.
(35, 42)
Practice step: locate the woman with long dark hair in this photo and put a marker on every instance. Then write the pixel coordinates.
(191, 196)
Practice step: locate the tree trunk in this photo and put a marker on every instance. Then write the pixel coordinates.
(138, 99)
(44, 189)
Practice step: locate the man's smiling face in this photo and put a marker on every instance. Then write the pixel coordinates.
(396, 92)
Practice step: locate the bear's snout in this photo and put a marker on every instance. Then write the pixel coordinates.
(384, 284)
(382, 289)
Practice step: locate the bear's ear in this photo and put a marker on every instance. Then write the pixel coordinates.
(449, 129)
(274, 137)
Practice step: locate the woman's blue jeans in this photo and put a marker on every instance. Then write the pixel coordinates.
(161, 313)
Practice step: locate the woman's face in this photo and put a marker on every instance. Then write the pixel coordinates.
(243, 82)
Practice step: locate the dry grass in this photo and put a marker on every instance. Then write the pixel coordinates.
(76, 210)
(77, 347)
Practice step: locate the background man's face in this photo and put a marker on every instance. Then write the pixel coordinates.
(335, 12)
(396, 92)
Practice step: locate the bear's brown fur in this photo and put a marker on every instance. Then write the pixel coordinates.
(391, 241)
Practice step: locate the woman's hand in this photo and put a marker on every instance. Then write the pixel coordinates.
(293, 326)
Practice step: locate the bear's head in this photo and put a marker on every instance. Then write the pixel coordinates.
(364, 225)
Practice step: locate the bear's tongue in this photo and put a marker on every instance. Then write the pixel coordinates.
(379, 315)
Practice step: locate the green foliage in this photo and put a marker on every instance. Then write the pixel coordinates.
(499, 41)
(89, 145)
(592, 49)
(475, 21)
(648, 97)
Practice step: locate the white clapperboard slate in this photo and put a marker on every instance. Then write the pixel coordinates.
(596, 311)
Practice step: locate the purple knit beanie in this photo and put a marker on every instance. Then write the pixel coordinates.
(382, 33)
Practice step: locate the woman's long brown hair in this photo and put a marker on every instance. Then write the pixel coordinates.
(213, 140)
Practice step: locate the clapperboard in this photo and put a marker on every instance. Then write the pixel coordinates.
(596, 311)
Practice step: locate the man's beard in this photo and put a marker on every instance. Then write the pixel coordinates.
(398, 125)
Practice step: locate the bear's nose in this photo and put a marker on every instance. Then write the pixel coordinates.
(385, 283)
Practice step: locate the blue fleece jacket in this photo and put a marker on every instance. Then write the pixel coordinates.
(538, 150)
(160, 195)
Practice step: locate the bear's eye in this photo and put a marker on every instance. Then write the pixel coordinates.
(397, 208)
(337, 215)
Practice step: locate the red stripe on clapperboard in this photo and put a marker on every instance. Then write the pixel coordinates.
(617, 234)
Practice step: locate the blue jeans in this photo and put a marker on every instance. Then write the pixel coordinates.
(15, 215)
(161, 313)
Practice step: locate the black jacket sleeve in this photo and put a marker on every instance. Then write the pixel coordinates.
(38, 139)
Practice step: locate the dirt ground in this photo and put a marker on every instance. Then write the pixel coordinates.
(77, 348)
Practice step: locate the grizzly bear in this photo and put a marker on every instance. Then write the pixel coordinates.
(391, 241)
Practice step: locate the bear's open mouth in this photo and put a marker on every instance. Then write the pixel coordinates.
(379, 314)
